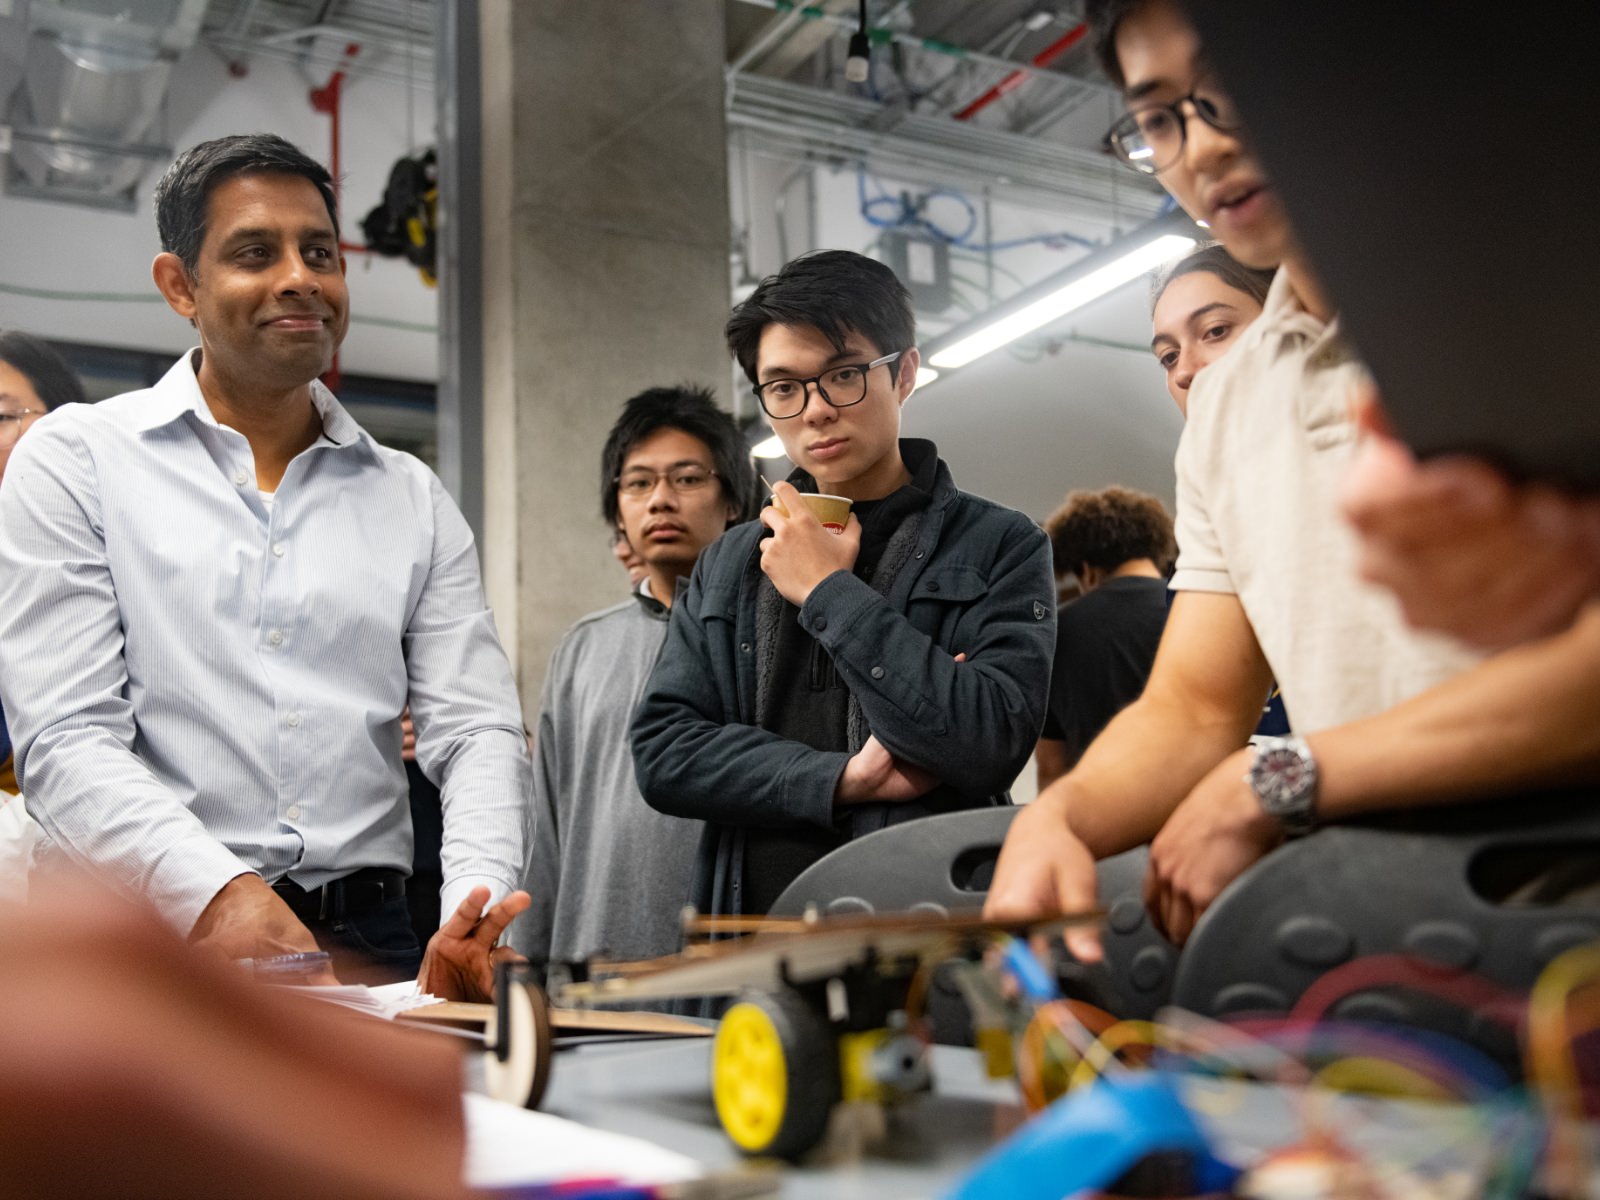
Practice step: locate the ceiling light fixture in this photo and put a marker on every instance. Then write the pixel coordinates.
(1096, 275)
(859, 64)
(771, 447)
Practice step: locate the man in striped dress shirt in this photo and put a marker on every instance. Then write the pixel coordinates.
(218, 594)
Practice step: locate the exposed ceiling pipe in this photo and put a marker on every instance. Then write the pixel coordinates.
(812, 12)
(1010, 82)
(93, 86)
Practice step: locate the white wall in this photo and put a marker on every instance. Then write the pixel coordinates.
(65, 248)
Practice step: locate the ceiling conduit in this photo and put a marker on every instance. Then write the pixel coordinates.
(95, 76)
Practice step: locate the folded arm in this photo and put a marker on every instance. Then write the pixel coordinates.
(972, 724)
(694, 758)
(1521, 721)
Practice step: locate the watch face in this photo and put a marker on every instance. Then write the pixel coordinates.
(1285, 771)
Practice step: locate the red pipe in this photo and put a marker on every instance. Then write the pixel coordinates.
(327, 99)
(1042, 59)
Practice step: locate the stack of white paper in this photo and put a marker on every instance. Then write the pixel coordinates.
(508, 1145)
(387, 1001)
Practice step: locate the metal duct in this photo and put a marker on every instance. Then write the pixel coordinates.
(94, 79)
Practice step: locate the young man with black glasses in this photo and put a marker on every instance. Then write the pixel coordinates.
(608, 874)
(1386, 718)
(817, 686)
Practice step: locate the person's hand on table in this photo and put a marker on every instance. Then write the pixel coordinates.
(1045, 869)
(1219, 830)
(247, 919)
(460, 959)
(801, 552)
(1464, 549)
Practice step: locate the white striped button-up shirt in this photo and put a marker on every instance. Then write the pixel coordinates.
(200, 683)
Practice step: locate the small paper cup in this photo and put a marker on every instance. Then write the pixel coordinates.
(832, 511)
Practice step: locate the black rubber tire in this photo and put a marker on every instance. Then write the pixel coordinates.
(811, 1070)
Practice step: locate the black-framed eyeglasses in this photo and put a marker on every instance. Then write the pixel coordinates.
(640, 482)
(11, 423)
(1150, 139)
(839, 386)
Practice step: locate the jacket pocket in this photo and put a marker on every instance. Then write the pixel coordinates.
(951, 583)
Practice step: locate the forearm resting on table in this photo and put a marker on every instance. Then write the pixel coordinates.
(1523, 720)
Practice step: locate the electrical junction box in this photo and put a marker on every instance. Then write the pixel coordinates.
(923, 265)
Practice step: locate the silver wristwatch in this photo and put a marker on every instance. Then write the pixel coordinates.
(1283, 776)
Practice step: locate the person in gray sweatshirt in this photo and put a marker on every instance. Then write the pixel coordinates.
(608, 874)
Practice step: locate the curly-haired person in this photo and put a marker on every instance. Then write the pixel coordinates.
(1119, 543)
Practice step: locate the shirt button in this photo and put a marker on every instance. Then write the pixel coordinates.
(820, 624)
(876, 672)
(933, 585)
(294, 720)
(294, 812)
(240, 478)
(277, 549)
(744, 647)
(918, 554)
(276, 637)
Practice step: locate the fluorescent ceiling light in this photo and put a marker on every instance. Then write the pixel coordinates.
(925, 376)
(1144, 253)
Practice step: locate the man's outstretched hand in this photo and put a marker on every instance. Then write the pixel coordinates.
(460, 959)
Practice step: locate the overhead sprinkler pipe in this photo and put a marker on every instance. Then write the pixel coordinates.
(1010, 82)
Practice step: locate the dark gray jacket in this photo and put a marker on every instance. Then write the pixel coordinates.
(979, 582)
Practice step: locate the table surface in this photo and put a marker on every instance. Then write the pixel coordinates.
(661, 1092)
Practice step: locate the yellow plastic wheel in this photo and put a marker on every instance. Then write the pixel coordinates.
(774, 1074)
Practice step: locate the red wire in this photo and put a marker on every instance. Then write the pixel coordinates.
(1462, 988)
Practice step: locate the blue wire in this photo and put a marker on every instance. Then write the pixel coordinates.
(907, 217)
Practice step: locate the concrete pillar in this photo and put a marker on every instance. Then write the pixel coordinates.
(605, 241)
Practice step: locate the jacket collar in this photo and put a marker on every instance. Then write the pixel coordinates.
(921, 456)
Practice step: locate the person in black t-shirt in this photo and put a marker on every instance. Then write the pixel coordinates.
(1120, 545)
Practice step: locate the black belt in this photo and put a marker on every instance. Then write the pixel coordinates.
(352, 896)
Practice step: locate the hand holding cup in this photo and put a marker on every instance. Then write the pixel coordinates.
(807, 545)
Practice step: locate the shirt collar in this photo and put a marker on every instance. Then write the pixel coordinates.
(1284, 317)
(178, 392)
(648, 600)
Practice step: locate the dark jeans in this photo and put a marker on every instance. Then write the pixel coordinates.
(376, 947)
